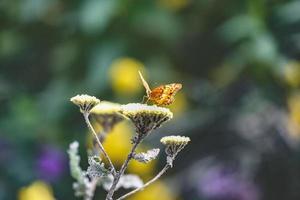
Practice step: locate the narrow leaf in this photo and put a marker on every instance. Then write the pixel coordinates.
(146, 157)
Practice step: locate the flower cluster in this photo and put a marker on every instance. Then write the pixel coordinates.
(177, 141)
(146, 118)
(174, 144)
(107, 114)
(85, 102)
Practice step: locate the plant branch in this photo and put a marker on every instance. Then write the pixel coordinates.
(86, 117)
(166, 167)
(122, 170)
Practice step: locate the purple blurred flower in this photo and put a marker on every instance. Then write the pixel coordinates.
(51, 163)
(220, 183)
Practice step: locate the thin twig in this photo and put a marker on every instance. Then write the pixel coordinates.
(167, 166)
(122, 170)
(86, 117)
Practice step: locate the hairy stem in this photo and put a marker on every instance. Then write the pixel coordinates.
(122, 170)
(167, 166)
(101, 135)
(86, 117)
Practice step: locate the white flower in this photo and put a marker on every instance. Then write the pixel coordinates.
(174, 144)
(85, 102)
(107, 114)
(146, 118)
(175, 140)
(106, 107)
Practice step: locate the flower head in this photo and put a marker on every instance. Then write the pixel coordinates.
(85, 102)
(175, 140)
(107, 114)
(174, 144)
(146, 118)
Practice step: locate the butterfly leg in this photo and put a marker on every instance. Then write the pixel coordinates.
(143, 101)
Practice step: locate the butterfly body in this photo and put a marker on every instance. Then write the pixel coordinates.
(162, 95)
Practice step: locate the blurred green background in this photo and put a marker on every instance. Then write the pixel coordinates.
(238, 61)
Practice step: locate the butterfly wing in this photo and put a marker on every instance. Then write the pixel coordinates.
(170, 92)
(157, 92)
(173, 88)
(164, 94)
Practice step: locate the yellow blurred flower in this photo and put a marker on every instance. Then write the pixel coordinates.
(157, 190)
(294, 116)
(174, 5)
(180, 104)
(291, 73)
(124, 76)
(117, 143)
(38, 190)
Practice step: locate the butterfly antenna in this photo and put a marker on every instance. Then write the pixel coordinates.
(145, 84)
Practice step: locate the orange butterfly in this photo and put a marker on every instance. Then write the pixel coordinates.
(161, 95)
